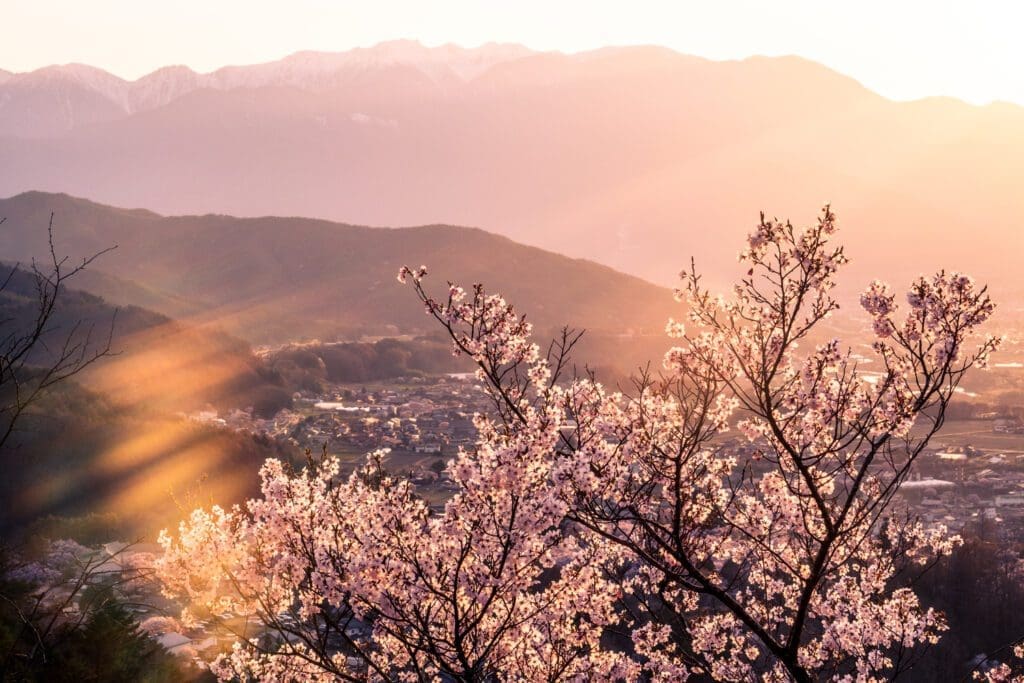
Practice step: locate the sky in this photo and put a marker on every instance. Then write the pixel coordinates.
(902, 49)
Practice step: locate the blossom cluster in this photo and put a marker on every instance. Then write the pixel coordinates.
(608, 535)
(1011, 671)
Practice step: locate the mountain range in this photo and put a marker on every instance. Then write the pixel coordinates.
(634, 157)
(274, 279)
(116, 435)
(55, 99)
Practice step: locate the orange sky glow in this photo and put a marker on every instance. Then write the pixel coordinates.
(903, 50)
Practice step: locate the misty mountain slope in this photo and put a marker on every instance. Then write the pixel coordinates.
(154, 361)
(121, 292)
(279, 279)
(79, 453)
(111, 438)
(637, 158)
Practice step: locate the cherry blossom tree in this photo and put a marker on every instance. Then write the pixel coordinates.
(991, 670)
(626, 534)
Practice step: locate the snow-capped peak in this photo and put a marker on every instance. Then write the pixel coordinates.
(446, 65)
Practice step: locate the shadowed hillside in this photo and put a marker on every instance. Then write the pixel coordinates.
(283, 279)
(113, 440)
(155, 362)
(78, 452)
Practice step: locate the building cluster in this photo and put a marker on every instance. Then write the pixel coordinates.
(965, 486)
(425, 421)
(418, 419)
(432, 417)
(1007, 426)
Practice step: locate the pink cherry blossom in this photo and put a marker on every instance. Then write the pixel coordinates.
(601, 534)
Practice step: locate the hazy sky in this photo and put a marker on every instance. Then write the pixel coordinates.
(901, 48)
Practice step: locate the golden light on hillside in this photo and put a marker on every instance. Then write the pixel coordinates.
(147, 474)
(155, 457)
(172, 366)
(185, 465)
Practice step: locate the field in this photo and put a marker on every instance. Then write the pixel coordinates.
(977, 433)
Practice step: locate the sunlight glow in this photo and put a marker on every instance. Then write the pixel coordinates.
(903, 50)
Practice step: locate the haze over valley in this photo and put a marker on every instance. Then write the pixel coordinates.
(502, 363)
(634, 157)
(239, 287)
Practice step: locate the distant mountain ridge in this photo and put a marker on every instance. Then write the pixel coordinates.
(634, 157)
(86, 95)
